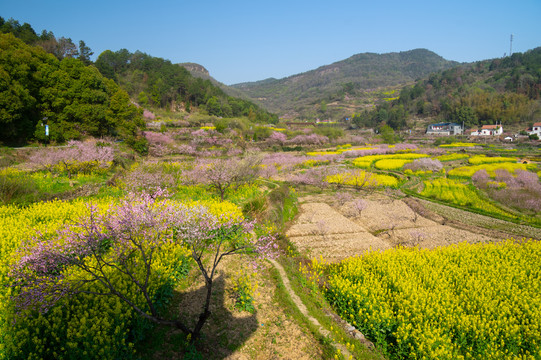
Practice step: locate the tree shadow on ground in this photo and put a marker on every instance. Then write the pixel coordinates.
(224, 332)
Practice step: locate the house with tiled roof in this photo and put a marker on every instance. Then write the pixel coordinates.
(536, 129)
(488, 130)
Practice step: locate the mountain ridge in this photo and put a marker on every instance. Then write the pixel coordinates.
(299, 93)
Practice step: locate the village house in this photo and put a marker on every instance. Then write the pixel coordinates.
(444, 129)
(536, 129)
(488, 130)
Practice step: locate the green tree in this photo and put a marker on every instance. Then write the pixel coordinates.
(464, 114)
(85, 53)
(76, 99)
(142, 99)
(387, 134)
(66, 49)
(214, 107)
(323, 106)
(21, 71)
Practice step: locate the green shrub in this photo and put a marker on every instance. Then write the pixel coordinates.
(18, 188)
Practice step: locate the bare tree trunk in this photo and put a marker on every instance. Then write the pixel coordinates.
(204, 315)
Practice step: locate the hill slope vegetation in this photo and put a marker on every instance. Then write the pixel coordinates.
(504, 90)
(299, 94)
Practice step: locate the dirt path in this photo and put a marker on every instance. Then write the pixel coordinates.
(302, 308)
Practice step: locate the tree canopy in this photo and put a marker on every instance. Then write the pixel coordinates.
(75, 100)
(162, 84)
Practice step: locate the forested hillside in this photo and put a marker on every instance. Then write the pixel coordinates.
(506, 90)
(159, 83)
(37, 89)
(45, 80)
(341, 81)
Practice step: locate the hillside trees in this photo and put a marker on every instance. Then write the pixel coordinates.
(61, 48)
(73, 99)
(394, 116)
(503, 90)
(163, 83)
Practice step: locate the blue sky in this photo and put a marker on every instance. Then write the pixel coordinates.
(240, 40)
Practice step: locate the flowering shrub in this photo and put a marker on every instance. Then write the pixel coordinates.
(283, 161)
(277, 138)
(147, 114)
(522, 191)
(312, 139)
(313, 176)
(185, 149)
(90, 279)
(424, 164)
(159, 144)
(76, 157)
(150, 177)
(427, 304)
(223, 175)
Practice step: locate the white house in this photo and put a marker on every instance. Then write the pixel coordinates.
(444, 129)
(536, 129)
(488, 130)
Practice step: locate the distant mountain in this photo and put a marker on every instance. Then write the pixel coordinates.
(504, 90)
(304, 94)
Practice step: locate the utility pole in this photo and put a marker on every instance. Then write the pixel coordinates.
(511, 45)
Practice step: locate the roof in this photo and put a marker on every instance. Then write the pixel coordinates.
(445, 124)
(537, 124)
(491, 126)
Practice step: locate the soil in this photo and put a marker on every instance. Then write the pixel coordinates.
(336, 231)
(267, 333)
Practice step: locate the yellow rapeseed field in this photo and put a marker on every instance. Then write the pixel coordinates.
(362, 178)
(366, 161)
(455, 192)
(468, 171)
(86, 325)
(479, 301)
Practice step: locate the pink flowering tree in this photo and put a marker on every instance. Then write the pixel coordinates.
(159, 144)
(277, 138)
(223, 175)
(102, 252)
(312, 139)
(75, 157)
(424, 164)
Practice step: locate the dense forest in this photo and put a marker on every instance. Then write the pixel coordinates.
(50, 83)
(506, 90)
(159, 83)
(74, 100)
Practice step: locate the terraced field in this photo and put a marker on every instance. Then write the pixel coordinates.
(333, 231)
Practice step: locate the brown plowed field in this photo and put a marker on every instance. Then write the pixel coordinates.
(336, 231)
